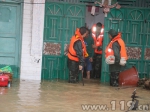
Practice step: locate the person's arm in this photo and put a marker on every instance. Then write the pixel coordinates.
(116, 48)
(78, 48)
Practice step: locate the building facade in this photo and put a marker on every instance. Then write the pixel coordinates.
(35, 33)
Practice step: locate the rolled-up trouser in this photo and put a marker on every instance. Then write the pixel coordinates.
(114, 79)
(73, 67)
(97, 62)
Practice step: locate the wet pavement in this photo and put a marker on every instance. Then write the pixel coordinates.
(60, 96)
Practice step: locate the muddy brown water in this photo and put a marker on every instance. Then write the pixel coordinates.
(60, 96)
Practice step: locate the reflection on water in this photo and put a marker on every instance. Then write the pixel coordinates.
(29, 93)
(60, 96)
(3, 90)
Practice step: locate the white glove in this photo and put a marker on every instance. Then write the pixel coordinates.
(122, 61)
(110, 60)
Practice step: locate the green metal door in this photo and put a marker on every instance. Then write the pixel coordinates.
(134, 25)
(10, 36)
(134, 35)
(146, 43)
(61, 20)
(115, 20)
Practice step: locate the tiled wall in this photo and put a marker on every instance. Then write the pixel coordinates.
(32, 40)
(51, 48)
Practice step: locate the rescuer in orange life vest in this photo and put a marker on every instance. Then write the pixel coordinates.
(116, 56)
(97, 34)
(76, 54)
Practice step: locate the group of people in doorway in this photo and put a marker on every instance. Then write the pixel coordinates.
(85, 51)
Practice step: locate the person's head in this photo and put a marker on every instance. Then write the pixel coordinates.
(112, 33)
(98, 27)
(83, 31)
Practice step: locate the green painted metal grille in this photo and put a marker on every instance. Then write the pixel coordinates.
(135, 28)
(134, 3)
(61, 20)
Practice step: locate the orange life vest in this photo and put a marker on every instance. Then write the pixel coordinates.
(99, 40)
(71, 52)
(109, 51)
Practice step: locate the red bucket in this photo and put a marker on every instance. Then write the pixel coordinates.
(129, 77)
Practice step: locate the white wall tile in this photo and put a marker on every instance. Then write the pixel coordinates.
(32, 40)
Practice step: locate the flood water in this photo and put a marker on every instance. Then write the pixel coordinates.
(60, 96)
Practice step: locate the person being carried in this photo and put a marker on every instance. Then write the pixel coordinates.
(76, 54)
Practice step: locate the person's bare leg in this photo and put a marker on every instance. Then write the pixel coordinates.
(88, 74)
